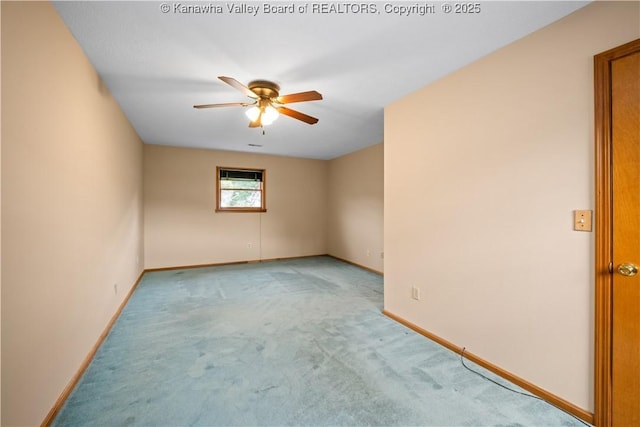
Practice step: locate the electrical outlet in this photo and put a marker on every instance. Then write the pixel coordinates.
(249, 245)
(381, 255)
(115, 288)
(368, 252)
(415, 293)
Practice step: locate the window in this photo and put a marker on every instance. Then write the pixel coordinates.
(240, 190)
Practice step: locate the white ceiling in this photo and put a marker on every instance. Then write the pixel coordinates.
(158, 65)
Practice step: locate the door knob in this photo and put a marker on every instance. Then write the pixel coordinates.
(628, 269)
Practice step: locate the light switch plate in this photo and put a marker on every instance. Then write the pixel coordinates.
(582, 220)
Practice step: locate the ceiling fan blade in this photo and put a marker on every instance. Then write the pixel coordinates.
(229, 104)
(311, 95)
(236, 84)
(298, 115)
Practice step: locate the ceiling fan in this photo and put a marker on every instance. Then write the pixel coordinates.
(267, 102)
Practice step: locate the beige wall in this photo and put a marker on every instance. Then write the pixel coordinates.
(182, 227)
(356, 206)
(477, 210)
(71, 209)
(479, 201)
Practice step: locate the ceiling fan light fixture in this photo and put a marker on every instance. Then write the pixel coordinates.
(265, 114)
(253, 113)
(269, 115)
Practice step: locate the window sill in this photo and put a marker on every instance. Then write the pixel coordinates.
(243, 210)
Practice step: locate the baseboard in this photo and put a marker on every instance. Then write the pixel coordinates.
(85, 363)
(357, 265)
(532, 388)
(289, 258)
(220, 264)
(182, 267)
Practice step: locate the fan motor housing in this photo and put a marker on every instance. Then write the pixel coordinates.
(264, 88)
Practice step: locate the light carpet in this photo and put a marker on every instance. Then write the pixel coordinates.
(285, 343)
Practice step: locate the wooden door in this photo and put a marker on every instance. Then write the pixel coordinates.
(625, 120)
(618, 242)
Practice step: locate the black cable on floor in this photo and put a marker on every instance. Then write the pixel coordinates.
(515, 391)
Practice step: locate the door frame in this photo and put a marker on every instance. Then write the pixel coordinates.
(604, 231)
